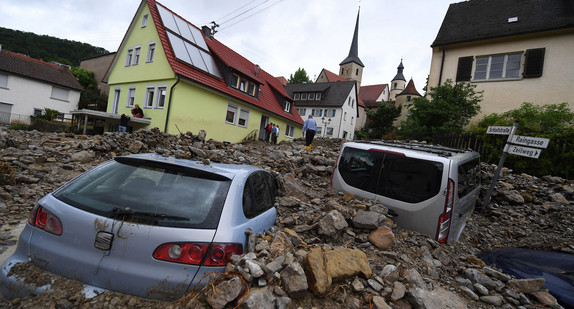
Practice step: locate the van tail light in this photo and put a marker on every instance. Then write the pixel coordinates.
(216, 254)
(445, 218)
(43, 219)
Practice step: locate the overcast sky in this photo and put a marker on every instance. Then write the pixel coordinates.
(279, 35)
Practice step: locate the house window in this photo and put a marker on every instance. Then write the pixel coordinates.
(318, 96)
(345, 134)
(144, 20)
(131, 96)
(303, 96)
(235, 81)
(319, 131)
(60, 93)
(150, 52)
(231, 114)
(243, 118)
(408, 98)
(296, 96)
(251, 89)
(3, 81)
(302, 111)
(353, 103)
(330, 112)
(317, 112)
(290, 131)
(150, 90)
(129, 56)
(329, 131)
(287, 106)
(395, 86)
(137, 52)
(116, 101)
(161, 94)
(312, 96)
(352, 120)
(345, 116)
(534, 62)
(497, 67)
(357, 72)
(37, 112)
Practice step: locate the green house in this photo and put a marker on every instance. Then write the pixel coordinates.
(186, 80)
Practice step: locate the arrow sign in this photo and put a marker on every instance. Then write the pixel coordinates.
(524, 151)
(530, 141)
(499, 130)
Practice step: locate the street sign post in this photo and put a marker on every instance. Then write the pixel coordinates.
(524, 151)
(530, 141)
(499, 130)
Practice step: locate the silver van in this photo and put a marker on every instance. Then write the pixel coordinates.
(426, 188)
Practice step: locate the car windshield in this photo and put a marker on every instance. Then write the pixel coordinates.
(148, 192)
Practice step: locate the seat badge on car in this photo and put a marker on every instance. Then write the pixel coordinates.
(104, 240)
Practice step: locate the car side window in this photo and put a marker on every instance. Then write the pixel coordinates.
(360, 168)
(259, 194)
(468, 177)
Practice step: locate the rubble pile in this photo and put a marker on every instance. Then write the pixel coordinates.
(327, 249)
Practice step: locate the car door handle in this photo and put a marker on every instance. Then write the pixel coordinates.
(391, 213)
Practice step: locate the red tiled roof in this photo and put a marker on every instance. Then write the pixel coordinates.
(370, 94)
(36, 69)
(265, 100)
(283, 80)
(332, 77)
(410, 89)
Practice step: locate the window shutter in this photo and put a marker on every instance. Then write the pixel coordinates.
(534, 62)
(464, 70)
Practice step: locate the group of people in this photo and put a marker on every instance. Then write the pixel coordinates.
(124, 119)
(271, 131)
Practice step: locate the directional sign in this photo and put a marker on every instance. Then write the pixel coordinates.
(499, 130)
(530, 141)
(524, 151)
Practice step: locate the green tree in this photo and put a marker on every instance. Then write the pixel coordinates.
(535, 118)
(449, 109)
(90, 97)
(380, 121)
(299, 77)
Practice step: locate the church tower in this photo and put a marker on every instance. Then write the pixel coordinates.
(352, 67)
(398, 83)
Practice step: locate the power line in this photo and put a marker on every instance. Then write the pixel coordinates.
(236, 10)
(263, 9)
(244, 12)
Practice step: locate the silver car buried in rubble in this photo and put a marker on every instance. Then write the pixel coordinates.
(144, 225)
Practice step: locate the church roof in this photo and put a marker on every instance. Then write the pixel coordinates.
(354, 51)
(332, 77)
(370, 94)
(400, 75)
(410, 89)
(25, 66)
(481, 19)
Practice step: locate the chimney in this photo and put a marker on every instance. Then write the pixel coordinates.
(207, 32)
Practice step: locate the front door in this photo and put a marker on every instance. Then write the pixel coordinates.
(264, 122)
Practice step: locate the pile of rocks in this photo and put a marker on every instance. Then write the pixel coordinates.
(327, 249)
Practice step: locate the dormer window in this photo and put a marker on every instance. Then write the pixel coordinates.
(287, 107)
(243, 84)
(318, 96)
(304, 96)
(296, 96)
(312, 96)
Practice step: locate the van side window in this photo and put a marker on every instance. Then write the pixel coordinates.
(258, 194)
(468, 177)
(410, 180)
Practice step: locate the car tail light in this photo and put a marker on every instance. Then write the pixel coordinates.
(445, 218)
(215, 254)
(43, 219)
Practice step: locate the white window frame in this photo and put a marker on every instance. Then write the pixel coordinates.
(60, 94)
(4, 81)
(329, 131)
(150, 51)
(131, 97)
(319, 131)
(296, 96)
(38, 112)
(318, 96)
(486, 64)
(129, 56)
(137, 53)
(251, 88)
(238, 79)
(149, 96)
(160, 98)
(243, 115)
(231, 108)
(144, 20)
(317, 112)
(289, 131)
(116, 99)
(311, 96)
(287, 107)
(304, 96)
(302, 111)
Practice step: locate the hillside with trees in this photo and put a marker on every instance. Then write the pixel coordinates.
(48, 48)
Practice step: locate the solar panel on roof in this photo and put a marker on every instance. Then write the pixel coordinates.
(187, 42)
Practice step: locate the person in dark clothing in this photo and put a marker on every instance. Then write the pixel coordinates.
(137, 111)
(123, 123)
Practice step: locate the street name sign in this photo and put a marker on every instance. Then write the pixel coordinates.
(530, 141)
(524, 151)
(499, 130)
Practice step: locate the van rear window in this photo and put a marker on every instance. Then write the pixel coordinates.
(390, 175)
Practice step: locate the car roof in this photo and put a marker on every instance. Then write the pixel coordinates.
(227, 170)
(420, 148)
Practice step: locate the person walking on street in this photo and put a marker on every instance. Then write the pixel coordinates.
(309, 129)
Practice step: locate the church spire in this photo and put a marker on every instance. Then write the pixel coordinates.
(354, 51)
